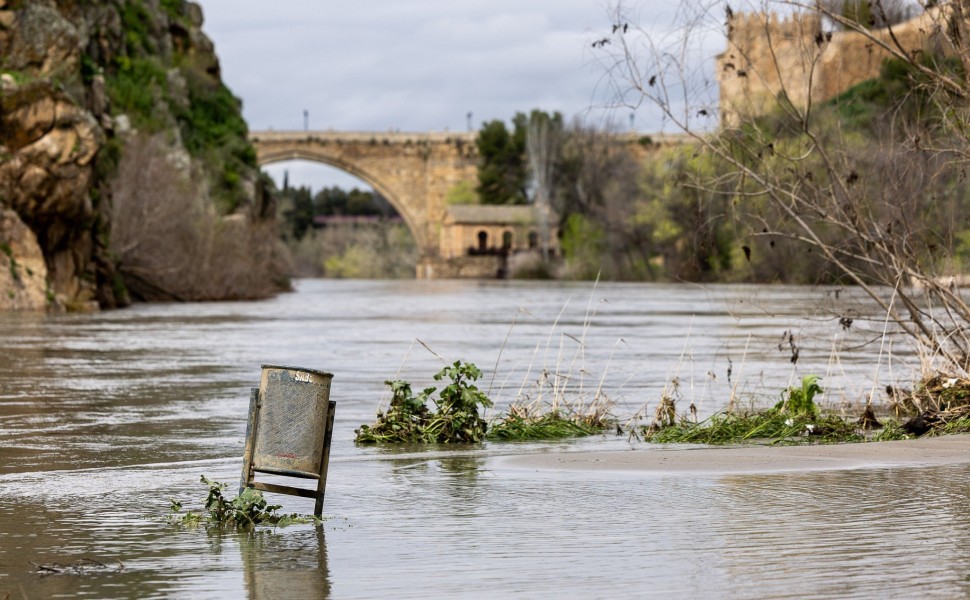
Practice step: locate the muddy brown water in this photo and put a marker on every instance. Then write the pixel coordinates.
(104, 418)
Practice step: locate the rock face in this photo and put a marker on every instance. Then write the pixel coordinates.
(81, 85)
(46, 179)
(23, 272)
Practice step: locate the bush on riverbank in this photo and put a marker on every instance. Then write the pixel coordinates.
(375, 251)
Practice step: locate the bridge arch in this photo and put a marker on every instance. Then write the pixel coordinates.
(386, 191)
(413, 171)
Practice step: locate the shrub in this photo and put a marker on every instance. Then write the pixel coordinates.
(455, 420)
(168, 244)
(135, 89)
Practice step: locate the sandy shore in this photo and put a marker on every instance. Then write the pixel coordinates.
(947, 450)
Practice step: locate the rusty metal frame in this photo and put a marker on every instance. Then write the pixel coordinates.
(249, 471)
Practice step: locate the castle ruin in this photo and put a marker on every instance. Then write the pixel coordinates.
(769, 57)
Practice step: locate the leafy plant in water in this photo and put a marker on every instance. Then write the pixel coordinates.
(405, 420)
(801, 400)
(245, 511)
(455, 420)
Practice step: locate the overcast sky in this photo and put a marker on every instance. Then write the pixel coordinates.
(419, 65)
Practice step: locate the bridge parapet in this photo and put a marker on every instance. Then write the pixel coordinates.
(365, 137)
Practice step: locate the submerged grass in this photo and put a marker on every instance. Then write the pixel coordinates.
(770, 425)
(536, 421)
(793, 420)
(941, 406)
(551, 426)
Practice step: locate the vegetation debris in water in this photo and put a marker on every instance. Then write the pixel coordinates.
(793, 420)
(456, 419)
(81, 566)
(244, 512)
(549, 426)
(940, 405)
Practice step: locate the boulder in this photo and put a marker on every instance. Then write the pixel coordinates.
(23, 271)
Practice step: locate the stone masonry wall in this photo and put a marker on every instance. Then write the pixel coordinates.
(768, 55)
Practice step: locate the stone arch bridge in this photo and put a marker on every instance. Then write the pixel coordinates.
(413, 171)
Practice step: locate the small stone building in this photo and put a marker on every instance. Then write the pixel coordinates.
(477, 241)
(479, 229)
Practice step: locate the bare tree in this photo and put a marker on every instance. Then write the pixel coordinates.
(168, 242)
(869, 14)
(541, 149)
(880, 208)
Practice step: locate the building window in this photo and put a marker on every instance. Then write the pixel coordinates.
(507, 240)
(533, 240)
(482, 241)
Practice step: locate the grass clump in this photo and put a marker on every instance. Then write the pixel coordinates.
(558, 418)
(773, 425)
(552, 425)
(793, 420)
(244, 512)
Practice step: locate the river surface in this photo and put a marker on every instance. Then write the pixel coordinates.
(106, 417)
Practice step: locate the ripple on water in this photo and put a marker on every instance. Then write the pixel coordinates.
(106, 417)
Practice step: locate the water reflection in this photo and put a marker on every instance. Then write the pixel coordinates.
(290, 564)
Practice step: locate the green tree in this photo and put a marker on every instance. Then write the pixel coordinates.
(356, 202)
(296, 210)
(502, 172)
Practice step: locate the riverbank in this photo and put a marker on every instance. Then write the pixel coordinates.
(684, 460)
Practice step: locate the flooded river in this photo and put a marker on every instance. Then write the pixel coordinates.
(104, 418)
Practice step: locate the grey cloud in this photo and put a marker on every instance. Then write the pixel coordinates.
(416, 66)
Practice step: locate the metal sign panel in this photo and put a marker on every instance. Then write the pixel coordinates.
(294, 403)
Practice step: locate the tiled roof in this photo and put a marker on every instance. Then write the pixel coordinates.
(491, 214)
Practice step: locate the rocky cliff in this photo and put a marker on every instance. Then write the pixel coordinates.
(124, 166)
